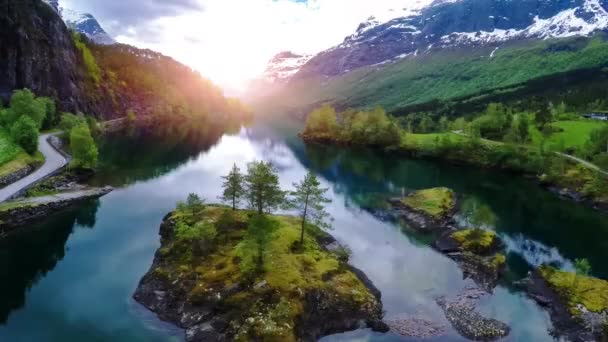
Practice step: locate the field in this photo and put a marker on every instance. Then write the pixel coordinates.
(574, 135)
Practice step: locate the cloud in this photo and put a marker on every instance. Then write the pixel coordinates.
(231, 41)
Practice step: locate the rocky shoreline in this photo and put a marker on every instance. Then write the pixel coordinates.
(565, 193)
(17, 214)
(245, 309)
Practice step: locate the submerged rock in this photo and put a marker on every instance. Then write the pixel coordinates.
(302, 294)
(416, 327)
(461, 313)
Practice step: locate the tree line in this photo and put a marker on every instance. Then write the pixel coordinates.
(260, 190)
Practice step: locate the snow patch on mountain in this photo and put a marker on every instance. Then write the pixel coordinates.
(284, 65)
(84, 23)
(578, 21)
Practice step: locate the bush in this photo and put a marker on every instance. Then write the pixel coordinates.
(69, 121)
(201, 231)
(24, 103)
(226, 221)
(84, 150)
(25, 133)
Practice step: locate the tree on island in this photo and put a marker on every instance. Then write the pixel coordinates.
(233, 186)
(582, 267)
(309, 199)
(262, 187)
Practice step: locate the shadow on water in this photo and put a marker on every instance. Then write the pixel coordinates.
(28, 256)
(143, 153)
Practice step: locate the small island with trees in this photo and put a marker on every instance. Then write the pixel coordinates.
(224, 273)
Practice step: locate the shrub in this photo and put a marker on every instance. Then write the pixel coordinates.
(25, 133)
(69, 121)
(84, 150)
(24, 103)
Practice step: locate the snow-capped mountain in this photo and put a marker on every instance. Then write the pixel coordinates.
(84, 23)
(450, 23)
(284, 65)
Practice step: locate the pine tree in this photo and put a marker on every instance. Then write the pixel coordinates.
(233, 187)
(310, 200)
(262, 187)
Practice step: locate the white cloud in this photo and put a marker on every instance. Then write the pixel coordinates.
(230, 41)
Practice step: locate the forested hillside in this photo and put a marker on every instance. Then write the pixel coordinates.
(107, 81)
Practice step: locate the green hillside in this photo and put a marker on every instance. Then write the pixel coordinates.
(452, 74)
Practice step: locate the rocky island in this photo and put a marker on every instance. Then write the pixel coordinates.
(211, 278)
(578, 304)
(479, 252)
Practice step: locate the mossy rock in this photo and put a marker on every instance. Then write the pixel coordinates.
(436, 203)
(477, 241)
(577, 290)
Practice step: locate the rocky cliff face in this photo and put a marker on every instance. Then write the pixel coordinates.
(37, 52)
(459, 23)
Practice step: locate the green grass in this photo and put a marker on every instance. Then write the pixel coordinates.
(13, 158)
(437, 202)
(447, 74)
(574, 135)
(578, 289)
(8, 149)
(477, 241)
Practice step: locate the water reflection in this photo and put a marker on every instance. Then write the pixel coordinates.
(89, 292)
(27, 257)
(535, 223)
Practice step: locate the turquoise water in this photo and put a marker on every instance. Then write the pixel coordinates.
(71, 277)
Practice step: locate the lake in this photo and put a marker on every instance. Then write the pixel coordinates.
(71, 276)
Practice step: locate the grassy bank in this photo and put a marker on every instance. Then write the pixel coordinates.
(13, 158)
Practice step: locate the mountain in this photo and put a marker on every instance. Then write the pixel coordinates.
(107, 81)
(82, 22)
(284, 65)
(454, 50)
(37, 52)
(458, 23)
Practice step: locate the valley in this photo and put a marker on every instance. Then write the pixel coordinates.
(440, 174)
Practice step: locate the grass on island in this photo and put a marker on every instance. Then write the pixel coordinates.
(578, 289)
(478, 241)
(287, 273)
(437, 202)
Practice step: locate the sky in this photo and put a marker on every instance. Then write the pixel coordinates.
(231, 41)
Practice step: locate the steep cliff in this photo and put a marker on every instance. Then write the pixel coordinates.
(37, 52)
